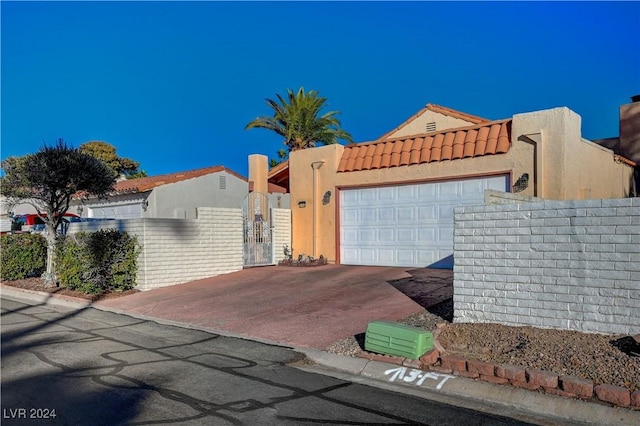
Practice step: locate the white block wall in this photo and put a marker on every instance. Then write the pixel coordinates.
(554, 264)
(281, 219)
(176, 251)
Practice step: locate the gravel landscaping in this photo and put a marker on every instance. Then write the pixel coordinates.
(604, 359)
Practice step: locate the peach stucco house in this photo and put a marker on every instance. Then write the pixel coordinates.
(390, 201)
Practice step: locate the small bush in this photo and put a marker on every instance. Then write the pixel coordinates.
(23, 256)
(96, 262)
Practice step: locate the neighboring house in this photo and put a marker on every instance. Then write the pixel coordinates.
(390, 201)
(7, 212)
(174, 195)
(627, 144)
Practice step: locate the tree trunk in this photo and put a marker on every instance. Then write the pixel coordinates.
(49, 276)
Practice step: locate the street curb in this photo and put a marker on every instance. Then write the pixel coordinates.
(475, 394)
(481, 393)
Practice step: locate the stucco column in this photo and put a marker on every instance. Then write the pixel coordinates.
(258, 170)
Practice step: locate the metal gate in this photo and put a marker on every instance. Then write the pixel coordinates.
(256, 214)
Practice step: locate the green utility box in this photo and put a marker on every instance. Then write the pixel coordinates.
(390, 338)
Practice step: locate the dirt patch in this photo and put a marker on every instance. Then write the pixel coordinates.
(37, 284)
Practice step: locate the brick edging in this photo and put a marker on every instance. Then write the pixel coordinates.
(511, 375)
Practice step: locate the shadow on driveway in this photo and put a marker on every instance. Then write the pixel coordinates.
(294, 306)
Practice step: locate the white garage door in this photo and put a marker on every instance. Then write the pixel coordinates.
(407, 225)
(119, 211)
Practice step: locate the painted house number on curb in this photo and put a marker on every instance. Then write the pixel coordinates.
(409, 376)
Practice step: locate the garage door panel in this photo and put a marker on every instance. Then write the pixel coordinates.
(445, 235)
(386, 214)
(386, 235)
(408, 225)
(405, 214)
(368, 256)
(349, 236)
(471, 187)
(349, 216)
(406, 192)
(447, 189)
(386, 255)
(350, 256)
(368, 195)
(385, 194)
(427, 213)
(427, 235)
(405, 236)
(368, 235)
(350, 196)
(367, 215)
(426, 192)
(498, 184)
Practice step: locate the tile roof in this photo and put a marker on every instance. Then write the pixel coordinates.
(278, 168)
(279, 175)
(487, 138)
(148, 183)
(272, 188)
(441, 110)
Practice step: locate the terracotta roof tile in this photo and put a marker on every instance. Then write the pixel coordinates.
(481, 141)
(371, 149)
(458, 146)
(486, 138)
(343, 163)
(405, 158)
(425, 155)
(351, 162)
(375, 163)
(457, 114)
(388, 147)
(368, 160)
(470, 143)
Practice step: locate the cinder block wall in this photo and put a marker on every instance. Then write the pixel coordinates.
(176, 251)
(282, 231)
(554, 264)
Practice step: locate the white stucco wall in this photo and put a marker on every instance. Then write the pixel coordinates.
(176, 251)
(181, 199)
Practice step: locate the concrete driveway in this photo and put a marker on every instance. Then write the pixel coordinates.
(297, 306)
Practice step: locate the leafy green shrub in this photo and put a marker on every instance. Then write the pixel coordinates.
(23, 255)
(94, 262)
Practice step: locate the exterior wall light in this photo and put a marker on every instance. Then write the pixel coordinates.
(326, 198)
(302, 204)
(145, 205)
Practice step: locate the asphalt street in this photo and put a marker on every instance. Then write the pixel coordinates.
(87, 366)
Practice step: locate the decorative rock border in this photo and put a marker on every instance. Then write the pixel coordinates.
(511, 375)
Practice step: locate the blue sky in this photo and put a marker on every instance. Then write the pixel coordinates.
(172, 85)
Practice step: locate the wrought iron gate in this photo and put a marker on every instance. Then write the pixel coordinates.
(256, 214)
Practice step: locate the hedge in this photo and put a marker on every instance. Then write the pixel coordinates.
(95, 262)
(23, 256)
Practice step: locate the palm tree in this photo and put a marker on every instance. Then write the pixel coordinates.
(300, 121)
